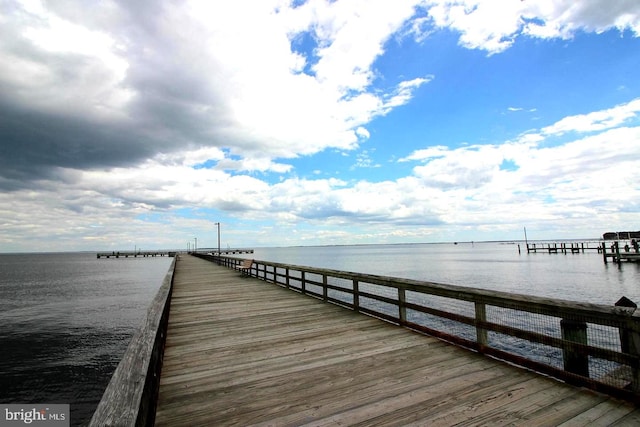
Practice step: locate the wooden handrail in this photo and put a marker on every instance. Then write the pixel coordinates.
(131, 395)
(565, 331)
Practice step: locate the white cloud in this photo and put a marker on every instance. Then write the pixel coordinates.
(469, 167)
(564, 18)
(493, 26)
(427, 153)
(351, 36)
(275, 108)
(58, 65)
(595, 121)
(362, 133)
(404, 92)
(364, 160)
(487, 25)
(192, 157)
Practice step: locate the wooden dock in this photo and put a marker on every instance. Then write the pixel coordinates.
(563, 247)
(228, 251)
(240, 351)
(630, 252)
(134, 254)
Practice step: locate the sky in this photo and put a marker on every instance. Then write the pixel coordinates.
(144, 124)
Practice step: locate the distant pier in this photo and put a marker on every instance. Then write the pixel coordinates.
(623, 247)
(563, 247)
(145, 254)
(628, 252)
(616, 251)
(216, 252)
(134, 254)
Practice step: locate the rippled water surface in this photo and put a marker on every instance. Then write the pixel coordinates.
(65, 321)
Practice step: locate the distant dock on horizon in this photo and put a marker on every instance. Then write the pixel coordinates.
(564, 247)
(620, 250)
(172, 253)
(134, 254)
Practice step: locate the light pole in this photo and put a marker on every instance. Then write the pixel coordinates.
(195, 248)
(218, 224)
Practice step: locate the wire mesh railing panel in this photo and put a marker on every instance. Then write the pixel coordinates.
(269, 274)
(316, 289)
(295, 274)
(313, 277)
(381, 290)
(379, 306)
(614, 372)
(525, 320)
(450, 305)
(604, 336)
(279, 275)
(341, 296)
(295, 283)
(340, 282)
(534, 351)
(442, 325)
(609, 372)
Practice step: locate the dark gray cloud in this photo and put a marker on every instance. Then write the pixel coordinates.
(33, 143)
(62, 112)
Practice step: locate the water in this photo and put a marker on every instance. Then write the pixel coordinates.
(65, 321)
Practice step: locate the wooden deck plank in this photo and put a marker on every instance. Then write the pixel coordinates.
(380, 405)
(328, 388)
(263, 352)
(603, 414)
(240, 351)
(631, 419)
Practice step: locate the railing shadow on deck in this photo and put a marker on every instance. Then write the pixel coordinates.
(588, 345)
(131, 395)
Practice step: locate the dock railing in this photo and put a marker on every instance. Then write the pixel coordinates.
(131, 395)
(589, 345)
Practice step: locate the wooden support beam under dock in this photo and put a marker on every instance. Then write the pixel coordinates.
(240, 351)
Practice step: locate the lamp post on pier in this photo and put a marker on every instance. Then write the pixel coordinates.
(218, 224)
